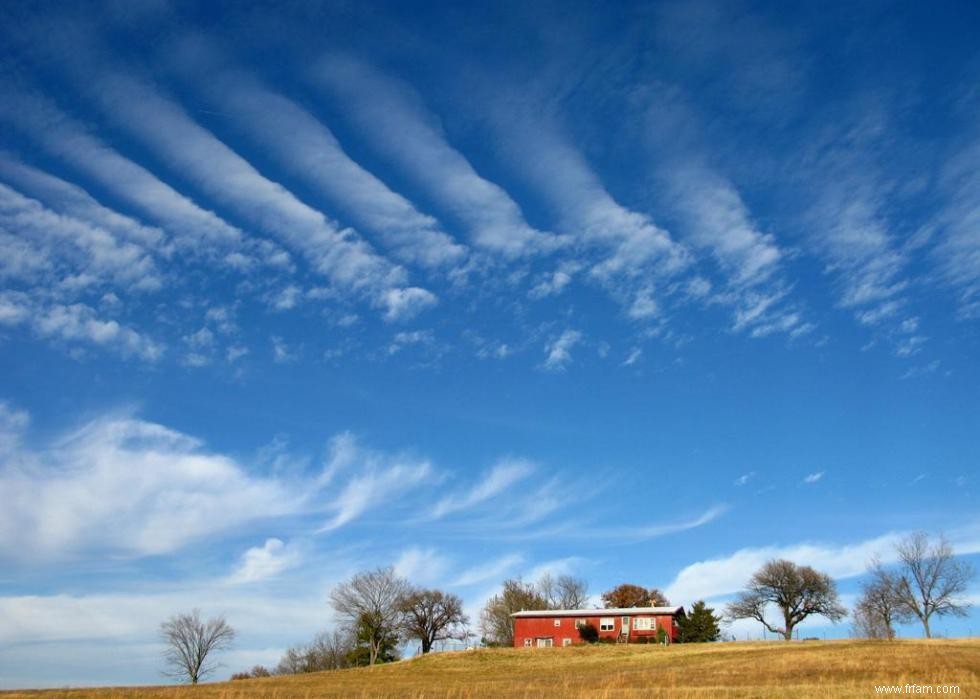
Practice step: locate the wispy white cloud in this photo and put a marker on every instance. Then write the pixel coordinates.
(194, 227)
(338, 253)
(491, 570)
(559, 351)
(125, 485)
(70, 251)
(421, 565)
(73, 201)
(958, 253)
(378, 478)
(76, 323)
(812, 478)
(264, 562)
(502, 476)
(392, 118)
(309, 151)
(744, 478)
(728, 574)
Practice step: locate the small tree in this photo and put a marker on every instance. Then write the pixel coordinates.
(495, 620)
(369, 603)
(373, 644)
(433, 615)
(630, 595)
(700, 625)
(192, 643)
(931, 580)
(797, 591)
(327, 651)
(588, 633)
(880, 606)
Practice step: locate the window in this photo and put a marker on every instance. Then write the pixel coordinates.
(527, 642)
(545, 642)
(566, 642)
(557, 623)
(644, 624)
(607, 624)
(579, 623)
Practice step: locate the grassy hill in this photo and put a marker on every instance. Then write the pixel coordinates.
(776, 669)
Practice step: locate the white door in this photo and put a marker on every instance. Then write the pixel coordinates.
(625, 630)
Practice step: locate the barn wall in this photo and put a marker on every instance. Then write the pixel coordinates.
(544, 627)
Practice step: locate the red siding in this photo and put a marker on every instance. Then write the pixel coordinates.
(534, 628)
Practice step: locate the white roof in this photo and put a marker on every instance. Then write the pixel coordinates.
(616, 611)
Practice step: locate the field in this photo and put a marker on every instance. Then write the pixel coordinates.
(775, 669)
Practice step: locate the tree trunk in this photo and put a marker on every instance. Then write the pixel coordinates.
(925, 625)
(374, 652)
(788, 634)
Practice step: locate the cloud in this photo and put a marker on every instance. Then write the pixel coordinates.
(307, 149)
(193, 227)
(559, 351)
(502, 476)
(378, 479)
(76, 323)
(73, 201)
(813, 477)
(340, 254)
(421, 565)
(491, 570)
(634, 357)
(744, 478)
(124, 485)
(391, 116)
(264, 562)
(958, 253)
(405, 304)
(723, 576)
(69, 249)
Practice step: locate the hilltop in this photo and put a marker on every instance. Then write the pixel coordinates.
(775, 669)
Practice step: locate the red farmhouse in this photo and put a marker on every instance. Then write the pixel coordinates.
(559, 627)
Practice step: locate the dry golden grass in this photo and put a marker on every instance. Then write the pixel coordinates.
(777, 669)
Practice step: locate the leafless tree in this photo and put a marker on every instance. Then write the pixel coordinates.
(369, 604)
(564, 592)
(516, 596)
(797, 591)
(433, 615)
(192, 643)
(931, 580)
(879, 608)
(327, 651)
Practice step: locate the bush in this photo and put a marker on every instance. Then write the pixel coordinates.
(588, 633)
(257, 671)
(661, 635)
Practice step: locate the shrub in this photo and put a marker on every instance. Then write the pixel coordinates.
(588, 633)
(661, 635)
(257, 671)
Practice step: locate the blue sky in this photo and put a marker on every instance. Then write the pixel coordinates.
(638, 292)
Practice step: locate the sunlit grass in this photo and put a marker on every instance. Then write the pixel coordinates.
(776, 669)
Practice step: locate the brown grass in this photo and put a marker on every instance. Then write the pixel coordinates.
(778, 669)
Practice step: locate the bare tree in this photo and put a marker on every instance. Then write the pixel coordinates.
(192, 643)
(516, 596)
(564, 592)
(880, 608)
(931, 580)
(433, 615)
(327, 651)
(797, 591)
(369, 603)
